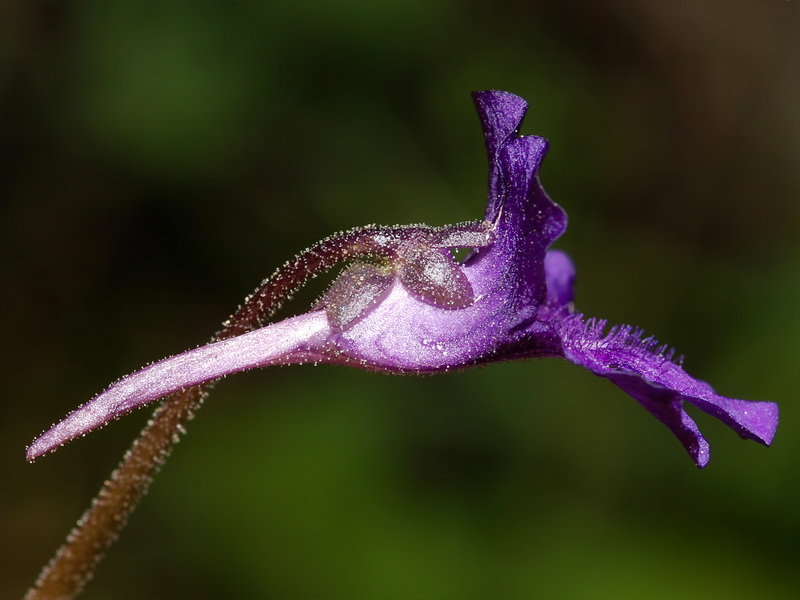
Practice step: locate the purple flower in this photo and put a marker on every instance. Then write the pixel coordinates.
(403, 305)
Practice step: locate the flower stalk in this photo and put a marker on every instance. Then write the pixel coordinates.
(74, 562)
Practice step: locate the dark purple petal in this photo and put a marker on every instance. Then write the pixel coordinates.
(752, 420)
(527, 211)
(528, 222)
(559, 274)
(645, 370)
(501, 116)
(667, 406)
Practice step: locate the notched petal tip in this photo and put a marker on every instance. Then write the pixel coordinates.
(501, 114)
(752, 420)
(640, 367)
(524, 156)
(667, 406)
(763, 421)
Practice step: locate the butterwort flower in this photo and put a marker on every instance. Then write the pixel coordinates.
(402, 304)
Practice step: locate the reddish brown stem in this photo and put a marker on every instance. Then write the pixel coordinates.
(73, 564)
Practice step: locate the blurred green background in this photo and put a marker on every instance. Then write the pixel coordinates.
(158, 159)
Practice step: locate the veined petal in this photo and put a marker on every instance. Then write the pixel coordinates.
(281, 343)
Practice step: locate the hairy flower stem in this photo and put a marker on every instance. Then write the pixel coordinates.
(73, 564)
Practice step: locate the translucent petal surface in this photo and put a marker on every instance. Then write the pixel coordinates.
(358, 288)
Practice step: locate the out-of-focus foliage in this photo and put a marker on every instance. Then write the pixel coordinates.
(158, 159)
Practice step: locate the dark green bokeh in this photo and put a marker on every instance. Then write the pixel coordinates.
(158, 159)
